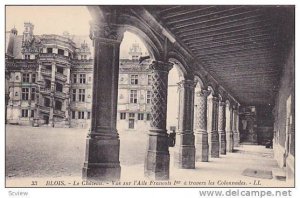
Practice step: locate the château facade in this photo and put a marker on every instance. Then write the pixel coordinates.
(49, 82)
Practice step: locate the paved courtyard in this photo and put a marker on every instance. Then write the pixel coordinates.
(43, 153)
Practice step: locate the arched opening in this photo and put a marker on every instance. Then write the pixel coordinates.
(175, 76)
(134, 100)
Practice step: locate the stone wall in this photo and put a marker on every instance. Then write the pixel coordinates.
(284, 151)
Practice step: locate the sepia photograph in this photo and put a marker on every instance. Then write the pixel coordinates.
(159, 96)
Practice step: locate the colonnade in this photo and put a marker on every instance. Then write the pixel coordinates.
(215, 134)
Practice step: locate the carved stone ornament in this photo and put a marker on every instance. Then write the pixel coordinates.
(106, 31)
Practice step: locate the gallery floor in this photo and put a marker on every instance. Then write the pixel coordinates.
(37, 155)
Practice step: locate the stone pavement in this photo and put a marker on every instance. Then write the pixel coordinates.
(48, 154)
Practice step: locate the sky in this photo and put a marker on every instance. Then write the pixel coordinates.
(57, 19)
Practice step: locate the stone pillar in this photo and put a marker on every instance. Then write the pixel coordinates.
(158, 158)
(102, 143)
(237, 127)
(234, 125)
(212, 128)
(201, 136)
(221, 128)
(51, 120)
(228, 128)
(184, 155)
(67, 99)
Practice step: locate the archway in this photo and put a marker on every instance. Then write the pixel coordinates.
(134, 100)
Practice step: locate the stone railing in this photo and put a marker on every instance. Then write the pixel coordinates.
(45, 109)
(59, 113)
(60, 76)
(59, 94)
(44, 90)
(46, 72)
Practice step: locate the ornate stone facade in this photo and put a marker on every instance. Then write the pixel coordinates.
(40, 73)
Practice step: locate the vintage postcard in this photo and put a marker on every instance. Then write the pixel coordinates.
(136, 96)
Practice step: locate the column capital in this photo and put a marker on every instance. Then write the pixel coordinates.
(222, 104)
(203, 93)
(187, 84)
(214, 99)
(161, 66)
(106, 32)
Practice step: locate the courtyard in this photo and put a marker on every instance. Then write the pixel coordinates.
(47, 154)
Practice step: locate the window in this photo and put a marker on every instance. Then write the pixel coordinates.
(25, 77)
(132, 115)
(80, 114)
(33, 78)
(133, 96)
(134, 79)
(131, 124)
(27, 56)
(60, 70)
(58, 105)
(74, 78)
(32, 113)
(60, 52)
(83, 57)
(24, 113)
(25, 93)
(148, 116)
(82, 78)
(149, 79)
(47, 102)
(74, 95)
(32, 93)
(49, 50)
(47, 84)
(148, 97)
(81, 95)
(88, 115)
(59, 87)
(140, 116)
(122, 116)
(73, 114)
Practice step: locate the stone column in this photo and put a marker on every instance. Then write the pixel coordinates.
(235, 132)
(228, 128)
(221, 128)
(201, 136)
(102, 143)
(184, 155)
(158, 158)
(212, 128)
(51, 120)
(237, 127)
(67, 99)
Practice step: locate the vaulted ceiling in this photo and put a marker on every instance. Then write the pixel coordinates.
(243, 47)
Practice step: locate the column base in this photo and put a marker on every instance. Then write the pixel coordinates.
(184, 157)
(102, 159)
(214, 149)
(157, 163)
(101, 172)
(222, 137)
(201, 145)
